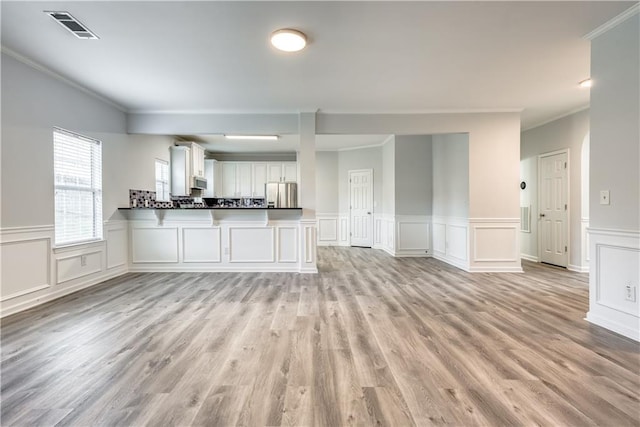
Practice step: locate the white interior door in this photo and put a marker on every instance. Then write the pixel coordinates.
(553, 229)
(361, 211)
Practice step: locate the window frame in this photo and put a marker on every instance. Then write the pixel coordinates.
(95, 190)
(165, 184)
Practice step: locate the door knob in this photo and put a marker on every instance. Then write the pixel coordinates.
(542, 215)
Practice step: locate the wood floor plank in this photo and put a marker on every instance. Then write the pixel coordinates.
(370, 340)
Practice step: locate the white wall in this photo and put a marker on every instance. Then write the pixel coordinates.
(614, 231)
(33, 102)
(413, 175)
(365, 158)
(327, 182)
(451, 175)
(567, 132)
(388, 205)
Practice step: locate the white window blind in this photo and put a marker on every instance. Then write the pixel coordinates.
(77, 165)
(162, 180)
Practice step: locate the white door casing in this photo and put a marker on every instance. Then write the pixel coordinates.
(553, 208)
(361, 207)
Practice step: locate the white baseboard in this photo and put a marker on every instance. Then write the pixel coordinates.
(529, 257)
(578, 268)
(616, 327)
(95, 280)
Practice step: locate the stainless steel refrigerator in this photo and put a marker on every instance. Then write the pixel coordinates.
(281, 194)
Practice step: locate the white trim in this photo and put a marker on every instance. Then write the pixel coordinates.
(25, 229)
(610, 232)
(39, 67)
(529, 257)
(613, 326)
(577, 268)
(495, 220)
(614, 22)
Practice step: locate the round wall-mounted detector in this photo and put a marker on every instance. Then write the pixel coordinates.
(523, 185)
(288, 40)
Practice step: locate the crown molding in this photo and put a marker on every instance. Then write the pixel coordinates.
(614, 22)
(39, 67)
(561, 116)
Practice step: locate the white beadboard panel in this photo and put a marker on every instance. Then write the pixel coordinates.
(615, 263)
(201, 244)
(457, 241)
(439, 238)
(251, 244)
(116, 247)
(26, 266)
(154, 245)
(80, 264)
(287, 244)
(495, 243)
(328, 229)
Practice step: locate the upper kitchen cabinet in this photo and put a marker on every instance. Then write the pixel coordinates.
(197, 158)
(259, 179)
(236, 179)
(213, 175)
(282, 171)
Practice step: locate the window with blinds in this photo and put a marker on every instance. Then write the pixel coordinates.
(162, 181)
(77, 165)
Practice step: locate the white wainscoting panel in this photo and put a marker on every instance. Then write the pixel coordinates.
(308, 245)
(251, 244)
(451, 240)
(413, 235)
(328, 230)
(26, 263)
(495, 244)
(615, 265)
(439, 238)
(287, 244)
(154, 245)
(117, 245)
(344, 230)
(457, 241)
(201, 244)
(78, 264)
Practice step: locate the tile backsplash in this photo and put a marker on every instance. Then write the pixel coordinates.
(146, 199)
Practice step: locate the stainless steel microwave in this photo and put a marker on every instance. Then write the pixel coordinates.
(198, 183)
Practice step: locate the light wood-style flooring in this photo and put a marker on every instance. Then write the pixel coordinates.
(370, 340)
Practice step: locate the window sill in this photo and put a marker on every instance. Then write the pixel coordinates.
(78, 245)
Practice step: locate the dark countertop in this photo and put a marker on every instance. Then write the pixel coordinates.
(208, 209)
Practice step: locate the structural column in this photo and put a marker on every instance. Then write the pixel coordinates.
(307, 191)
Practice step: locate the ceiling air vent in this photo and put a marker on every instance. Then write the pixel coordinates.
(72, 24)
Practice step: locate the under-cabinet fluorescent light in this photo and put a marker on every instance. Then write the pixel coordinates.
(586, 83)
(256, 137)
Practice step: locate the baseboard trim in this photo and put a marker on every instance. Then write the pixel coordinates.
(453, 262)
(495, 270)
(578, 268)
(616, 327)
(191, 269)
(529, 257)
(39, 300)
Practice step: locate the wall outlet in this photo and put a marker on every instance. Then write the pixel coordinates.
(604, 197)
(630, 293)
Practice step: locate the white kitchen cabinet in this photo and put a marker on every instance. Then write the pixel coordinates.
(259, 177)
(212, 173)
(243, 179)
(197, 157)
(236, 179)
(282, 171)
(180, 170)
(290, 171)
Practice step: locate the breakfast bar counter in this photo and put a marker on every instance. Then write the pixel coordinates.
(221, 239)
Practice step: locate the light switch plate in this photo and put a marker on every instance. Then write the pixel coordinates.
(604, 197)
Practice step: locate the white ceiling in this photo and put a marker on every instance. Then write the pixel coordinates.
(362, 57)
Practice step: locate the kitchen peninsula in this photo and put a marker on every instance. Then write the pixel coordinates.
(220, 239)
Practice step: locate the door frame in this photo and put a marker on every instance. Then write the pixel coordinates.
(568, 188)
(371, 225)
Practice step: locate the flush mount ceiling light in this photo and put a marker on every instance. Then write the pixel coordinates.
(74, 26)
(288, 40)
(586, 83)
(253, 137)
